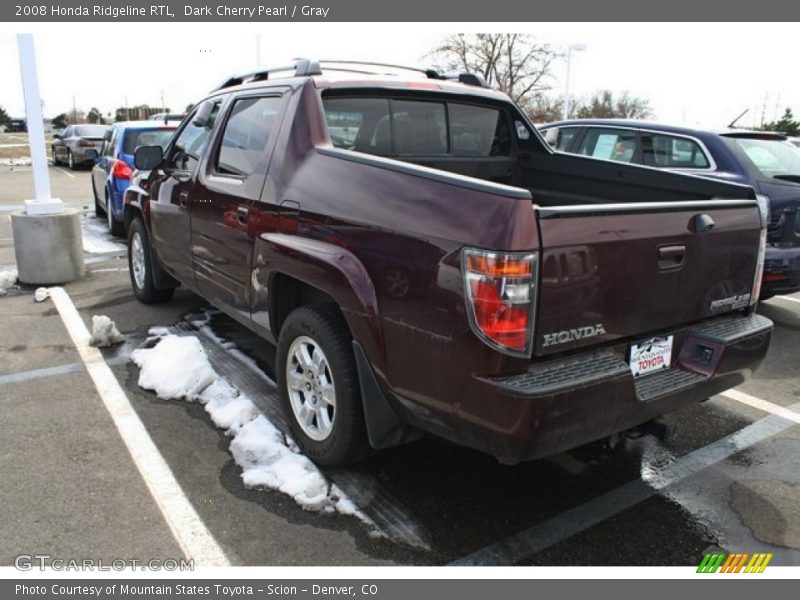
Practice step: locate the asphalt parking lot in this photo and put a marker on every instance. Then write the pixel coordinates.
(726, 479)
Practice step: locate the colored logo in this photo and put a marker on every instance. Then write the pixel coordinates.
(734, 563)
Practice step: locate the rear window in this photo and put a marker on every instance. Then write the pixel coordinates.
(90, 130)
(145, 137)
(774, 158)
(419, 128)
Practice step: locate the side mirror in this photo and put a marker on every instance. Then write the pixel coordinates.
(92, 154)
(147, 158)
(57, 136)
(200, 118)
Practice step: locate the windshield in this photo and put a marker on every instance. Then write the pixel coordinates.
(90, 130)
(774, 158)
(146, 137)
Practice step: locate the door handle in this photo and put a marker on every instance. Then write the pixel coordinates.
(243, 214)
(671, 257)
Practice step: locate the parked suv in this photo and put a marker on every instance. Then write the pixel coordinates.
(425, 262)
(764, 160)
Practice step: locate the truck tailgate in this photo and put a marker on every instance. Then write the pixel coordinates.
(628, 270)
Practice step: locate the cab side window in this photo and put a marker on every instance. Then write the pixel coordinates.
(190, 144)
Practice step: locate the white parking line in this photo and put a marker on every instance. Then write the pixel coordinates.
(789, 298)
(188, 529)
(765, 405)
(539, 537)
(67, 173)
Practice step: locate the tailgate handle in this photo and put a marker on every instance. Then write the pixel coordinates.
(671, 257)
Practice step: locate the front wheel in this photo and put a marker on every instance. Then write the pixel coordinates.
(318, 386)
(55, 157)
(140, 266)
(71, 160)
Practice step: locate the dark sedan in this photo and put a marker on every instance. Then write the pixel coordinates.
(764, 160)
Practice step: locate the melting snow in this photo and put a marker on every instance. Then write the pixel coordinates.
(104, 332)
(178, 367)
(97, 239)
(8, 279)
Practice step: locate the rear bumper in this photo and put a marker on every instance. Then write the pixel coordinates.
(781, 270)
(564, 403)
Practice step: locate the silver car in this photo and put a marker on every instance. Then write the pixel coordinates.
(70, 145)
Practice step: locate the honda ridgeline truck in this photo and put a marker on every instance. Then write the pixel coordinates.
(425, 263)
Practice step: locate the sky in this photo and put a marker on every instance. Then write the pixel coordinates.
(693, 74)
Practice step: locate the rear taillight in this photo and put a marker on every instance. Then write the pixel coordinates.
(763, 209)
(500, 291)
(121, 170)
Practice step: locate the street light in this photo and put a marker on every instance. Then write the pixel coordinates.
(570, 49)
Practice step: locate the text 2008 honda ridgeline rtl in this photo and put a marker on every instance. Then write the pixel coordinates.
(425, 263)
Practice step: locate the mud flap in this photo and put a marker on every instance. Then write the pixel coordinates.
(384, 428)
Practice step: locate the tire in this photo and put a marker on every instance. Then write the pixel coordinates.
(98, 210)
(140, 266)
(71, 161)
(55, 158)
(115, 227)
(333, 434)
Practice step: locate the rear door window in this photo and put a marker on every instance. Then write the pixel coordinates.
(246, 135)
(620, 145)
(672, 152)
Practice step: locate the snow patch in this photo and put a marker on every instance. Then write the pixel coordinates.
(96, 237)
(104, 332)
(41, 294)
(177, 367)
(24, 161)
(8, 279)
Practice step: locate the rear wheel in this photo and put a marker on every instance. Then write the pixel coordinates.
(98, 210)
(115, 227)
(318, 386)
(140, 266)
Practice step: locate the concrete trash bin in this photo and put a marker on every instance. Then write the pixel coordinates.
(49, 248)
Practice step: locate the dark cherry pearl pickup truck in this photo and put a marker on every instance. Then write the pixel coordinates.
(424, 262)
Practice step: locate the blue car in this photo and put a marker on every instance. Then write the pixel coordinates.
(113, 165)
(767, 161)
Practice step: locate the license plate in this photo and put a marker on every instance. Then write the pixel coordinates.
(651, 355)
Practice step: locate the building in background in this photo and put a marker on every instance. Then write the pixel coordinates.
(138, 113)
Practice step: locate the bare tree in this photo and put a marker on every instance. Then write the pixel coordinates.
(514, 63)
(604, 105)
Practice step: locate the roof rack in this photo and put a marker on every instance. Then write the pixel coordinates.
(466, 78)
(304, 67)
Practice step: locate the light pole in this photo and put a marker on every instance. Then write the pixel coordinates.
(570, 49)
